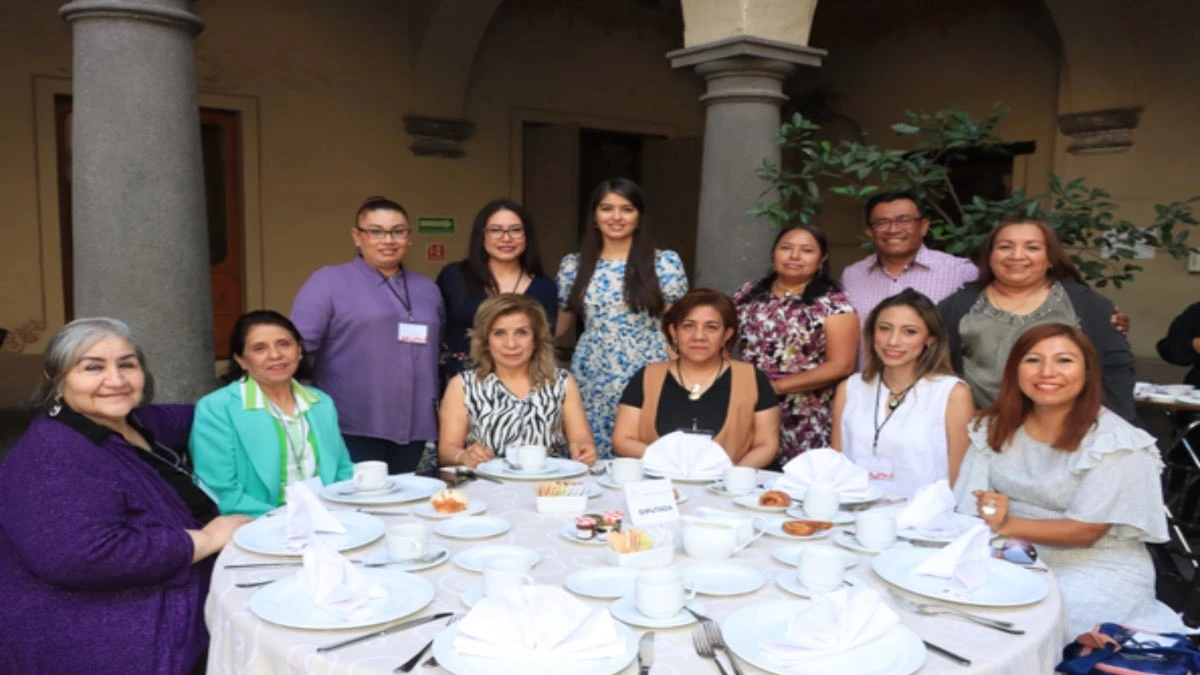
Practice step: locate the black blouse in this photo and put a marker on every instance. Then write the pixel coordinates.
(676, 411)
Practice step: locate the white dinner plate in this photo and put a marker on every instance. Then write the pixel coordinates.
(774, 527)
(848, 540)
(556, 467)
(269, 535)
(283, 603)
(717, 578)
(472, 527)
(790, 582)
(406, 487)
(380, 556)
(678, 478)
(1007, 585)
(472, 595)
(450, 659)
(626, 610)
(426, 510)
(839, 518)
(601, 582)
(790, 555)
(898, 652)
(750, 501)
(475, 558)
(960, 522)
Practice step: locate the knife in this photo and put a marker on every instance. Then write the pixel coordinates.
(412, 623)
(946, 653)
(646, 653)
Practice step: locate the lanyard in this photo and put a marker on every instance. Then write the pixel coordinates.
(891, 412)
(293, 447)
(406, 301)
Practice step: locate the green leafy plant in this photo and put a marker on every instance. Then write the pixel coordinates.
(1101, 244)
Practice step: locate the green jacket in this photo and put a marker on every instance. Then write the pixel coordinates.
(236, 448)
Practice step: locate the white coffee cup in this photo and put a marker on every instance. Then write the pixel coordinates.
(528, 457)
(875, 529)
(407, 541)
(821, 503)
(369, 476)
(822, 569)
(659, 593)
(625, 470)
(502, 574)
(740, 480)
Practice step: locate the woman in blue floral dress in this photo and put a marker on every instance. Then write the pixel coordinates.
(799, 328)
(621, 285)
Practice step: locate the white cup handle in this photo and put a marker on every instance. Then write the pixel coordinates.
(527, 580)
(689, 593)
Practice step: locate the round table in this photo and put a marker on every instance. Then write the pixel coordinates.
(242, 644)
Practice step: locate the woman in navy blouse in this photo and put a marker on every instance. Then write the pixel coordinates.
(502, 257)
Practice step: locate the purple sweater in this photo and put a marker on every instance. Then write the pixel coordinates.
(96, 570)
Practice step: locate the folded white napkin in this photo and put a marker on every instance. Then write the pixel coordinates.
(930, 512)
(306, 516)
(835, 622)
(538, 623)
(963, 562)
(827, 468)
(337, 586)
(688, 455)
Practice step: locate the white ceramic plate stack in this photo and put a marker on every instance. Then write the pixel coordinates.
(898, 652)
(283, 603)
(404, 488)
(472, 527)
(474, 559)
(1007, 585)
(269, 535)
(556, 468)
(454, 662)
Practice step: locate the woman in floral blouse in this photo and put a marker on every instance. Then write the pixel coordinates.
(800, 329)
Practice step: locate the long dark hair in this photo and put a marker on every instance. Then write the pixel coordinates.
(642, 291)
(241, 329)
(819, 285)
(477, 274)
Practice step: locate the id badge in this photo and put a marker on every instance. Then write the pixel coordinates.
(880, 467)
(413, 333)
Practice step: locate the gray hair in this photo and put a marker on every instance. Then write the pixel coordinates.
(66, 349)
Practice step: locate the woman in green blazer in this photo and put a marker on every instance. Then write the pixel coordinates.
(264, 430)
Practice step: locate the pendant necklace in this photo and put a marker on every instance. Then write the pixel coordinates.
(695, 391)
(789, 292)
(894, 401)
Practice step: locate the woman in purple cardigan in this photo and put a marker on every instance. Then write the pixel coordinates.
(105, 538)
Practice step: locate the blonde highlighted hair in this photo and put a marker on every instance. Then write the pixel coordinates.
(541, 365)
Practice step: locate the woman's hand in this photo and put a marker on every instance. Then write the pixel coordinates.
(474, 455)
(215, 535)
(993, 508)
(584, 452)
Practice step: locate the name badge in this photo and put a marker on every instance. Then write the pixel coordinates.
(651, 502)
(413, 333)
(879, 467)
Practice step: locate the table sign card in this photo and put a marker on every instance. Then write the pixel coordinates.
(651, 502)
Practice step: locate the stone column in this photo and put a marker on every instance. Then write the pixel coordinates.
(138, 211)
(745, 90)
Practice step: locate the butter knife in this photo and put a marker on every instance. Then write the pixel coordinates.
(646, 653)
(411, 623)
(946, 653)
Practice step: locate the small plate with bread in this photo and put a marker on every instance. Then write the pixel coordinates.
(773, 501)
(448, 503)
(796, 528)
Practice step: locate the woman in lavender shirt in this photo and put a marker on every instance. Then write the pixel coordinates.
(106, 540)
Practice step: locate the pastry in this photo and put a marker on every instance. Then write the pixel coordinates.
(775, 498)
(449, 501)
(630, 541)
(558, 488)
(804, 528)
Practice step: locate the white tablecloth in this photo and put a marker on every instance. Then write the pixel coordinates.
(242, 644)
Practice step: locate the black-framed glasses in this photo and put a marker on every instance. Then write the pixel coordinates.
(901, 222)
(379, 234)
(514, 232)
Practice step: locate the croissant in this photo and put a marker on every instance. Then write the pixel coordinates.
(804, 528)
(775, 498)
(449, 501)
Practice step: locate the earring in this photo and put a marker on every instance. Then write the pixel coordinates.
(56, 407)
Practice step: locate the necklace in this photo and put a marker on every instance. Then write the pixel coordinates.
(894, 401)
(789, 292)
(695, 391)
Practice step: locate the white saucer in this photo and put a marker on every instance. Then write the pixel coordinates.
(750, 501)
(677, 478)
(839, 518)
(626, 610)
(474, 559)
(790, 582)
(790, 555)
(715, 578)
(472, 595)
(774, 527)
(847, 540)
(601, 582)
(568, 533)
(472, 527)
(426, 510)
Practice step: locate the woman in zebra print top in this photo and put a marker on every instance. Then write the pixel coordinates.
(515, 395)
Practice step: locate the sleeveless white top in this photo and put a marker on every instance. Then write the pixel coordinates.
(914, 439)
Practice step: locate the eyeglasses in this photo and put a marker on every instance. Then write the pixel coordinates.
(900, 222)
(514, 232)
(1016, 551)
(379, 234)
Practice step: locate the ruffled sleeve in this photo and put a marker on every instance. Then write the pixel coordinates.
(973, 473)
(1118, 467)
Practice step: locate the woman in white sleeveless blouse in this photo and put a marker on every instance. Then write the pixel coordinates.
(515, 395)
(904, 418)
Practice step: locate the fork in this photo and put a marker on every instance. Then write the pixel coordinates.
(705, 648)
(713, 632)
(408, 665)
(927, 609)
